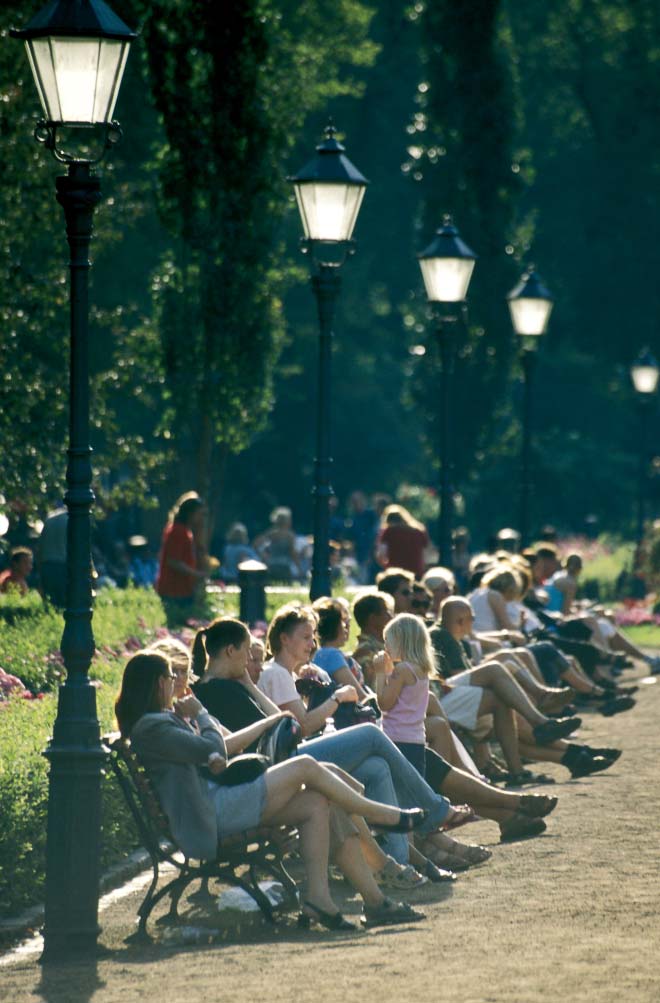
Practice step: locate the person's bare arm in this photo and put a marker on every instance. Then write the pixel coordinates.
(345, 677)
(500, 612)
(238, 740)
(313, 720)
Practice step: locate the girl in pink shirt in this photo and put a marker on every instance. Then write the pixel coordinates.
(402, 684)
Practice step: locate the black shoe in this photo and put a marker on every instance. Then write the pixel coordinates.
(521, 826)
(611, 754)
(437, 874)
(616, 706)
(409, 820)
(550, 731)
(585, 765)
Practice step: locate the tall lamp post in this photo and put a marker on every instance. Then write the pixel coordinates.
(447, 265)
(644, 373)
(530, 305)
(77, 51)
(329, 191)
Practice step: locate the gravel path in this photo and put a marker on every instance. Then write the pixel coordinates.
(571, 916)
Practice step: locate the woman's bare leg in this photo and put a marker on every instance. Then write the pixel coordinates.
(350, 861)
(438, 737)
(505, 728)
(286, 779)
(496, 678)
(488, 801)
(308, 811)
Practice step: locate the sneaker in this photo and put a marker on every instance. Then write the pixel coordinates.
(390, 912)
(399, 877)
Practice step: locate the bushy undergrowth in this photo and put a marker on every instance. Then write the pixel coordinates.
(29, 649)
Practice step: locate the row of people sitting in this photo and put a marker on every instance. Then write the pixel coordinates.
(410, 777)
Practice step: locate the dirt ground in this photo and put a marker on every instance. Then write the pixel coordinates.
(570, 916)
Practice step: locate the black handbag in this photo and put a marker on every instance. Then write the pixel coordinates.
(280, 741)
(347, 714)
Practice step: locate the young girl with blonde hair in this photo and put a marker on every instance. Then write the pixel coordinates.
(402, 685)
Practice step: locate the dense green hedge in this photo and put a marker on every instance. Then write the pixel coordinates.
(29, 648)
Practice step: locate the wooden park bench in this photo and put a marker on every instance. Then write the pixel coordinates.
(239, 860)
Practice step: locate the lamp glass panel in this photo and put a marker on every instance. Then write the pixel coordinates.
(41, 64)
(530, 316)
(112, 60)
(446, 279)
(78, 78)
(328, 211)
(645, 378)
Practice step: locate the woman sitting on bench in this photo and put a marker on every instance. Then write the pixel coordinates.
(174, 741)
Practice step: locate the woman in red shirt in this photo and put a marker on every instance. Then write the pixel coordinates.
(178, 575)
(402, 541)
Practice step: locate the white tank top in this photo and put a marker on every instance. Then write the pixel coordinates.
(484, 618)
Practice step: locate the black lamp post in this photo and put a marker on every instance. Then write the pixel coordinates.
(447, 265)
(644, 373)
(77, 51)
(530, 304)
(329, 191)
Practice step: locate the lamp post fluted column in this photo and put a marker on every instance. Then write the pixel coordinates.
(446, 348)
(641, 470)
(77, 53)
(329, 191)
(446, 265)
(528, 360)
(644, 373)
(325, 285)
(530, 305)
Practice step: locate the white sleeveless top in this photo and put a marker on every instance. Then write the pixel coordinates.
(484, 618)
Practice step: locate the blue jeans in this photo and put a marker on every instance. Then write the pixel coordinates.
(367, 753)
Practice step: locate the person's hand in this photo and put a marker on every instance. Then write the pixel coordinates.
(216, 763)
(188, 707)
(382, 664)
(346, 694)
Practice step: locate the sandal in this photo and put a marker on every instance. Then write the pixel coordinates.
(527, 777)
(330, 920)
(463, 814)
(409, 820)
(390, 912)
(494, 773)
(399, 877)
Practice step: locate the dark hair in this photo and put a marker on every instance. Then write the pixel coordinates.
(285, 621)
(370, 604)
(139, 689)
(215, 638)
(16, 553)
(185, 507)
(547, 552)
(421, 596)
(390, 580)
(329, 616)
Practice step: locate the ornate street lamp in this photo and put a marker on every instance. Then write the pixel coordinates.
(77, 51)
(530, 305)
(644, 373)
(447, 265)
(329, 191)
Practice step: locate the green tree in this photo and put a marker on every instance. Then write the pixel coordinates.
(232, 84)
